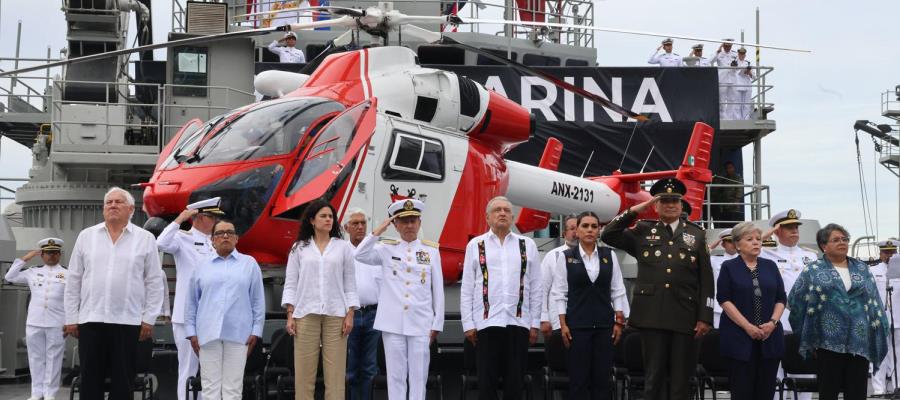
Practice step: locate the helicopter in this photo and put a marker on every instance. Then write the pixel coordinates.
(369, 126)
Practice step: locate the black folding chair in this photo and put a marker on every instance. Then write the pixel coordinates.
(556, 376)
(143, 379)
(792, 364)
(715, 372)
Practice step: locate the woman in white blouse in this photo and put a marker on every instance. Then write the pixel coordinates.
(320, 296)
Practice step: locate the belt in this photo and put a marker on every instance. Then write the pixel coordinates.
(371, 307)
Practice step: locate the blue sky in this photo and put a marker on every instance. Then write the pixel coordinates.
(809, 161)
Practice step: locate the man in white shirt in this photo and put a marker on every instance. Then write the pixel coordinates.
(500, 301)
(43, 327)
(190, 249)
(411, 299)
(550, 320)
(362, 344)
(696, 57)
(114, 292)
(716, 261)
(790, 259)
(286, 51)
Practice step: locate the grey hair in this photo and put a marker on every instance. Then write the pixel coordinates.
(487, 208)
(128, 197)
(354, 211)
(743, 229)
(823, 234)
(568, 217)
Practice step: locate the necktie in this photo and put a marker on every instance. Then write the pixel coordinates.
(669, 228)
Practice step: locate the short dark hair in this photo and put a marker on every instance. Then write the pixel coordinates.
(220, 221)
(823, 234)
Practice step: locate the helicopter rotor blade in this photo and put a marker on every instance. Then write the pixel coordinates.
(622, 31)
(550, 78)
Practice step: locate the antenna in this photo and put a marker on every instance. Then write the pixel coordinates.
(587, 164)
(648, 158)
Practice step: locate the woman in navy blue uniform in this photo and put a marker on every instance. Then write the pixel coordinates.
(752, 296)
(589, 294)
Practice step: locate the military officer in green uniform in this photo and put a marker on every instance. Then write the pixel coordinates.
(672, 302)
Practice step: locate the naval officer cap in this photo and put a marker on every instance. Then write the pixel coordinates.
(50, 244)
(406, 208)
(742, 50)
(667, 41)
(786, 217)
(668, 188)
(887, 245)
(725, 234)
(208, 206)
(698, 46)
(289, 34)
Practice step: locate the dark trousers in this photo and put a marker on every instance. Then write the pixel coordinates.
(841, 372)
(107, 350)
(753, 379)
(667, 355)
(590, 361)
(501, 352)
(362, 354)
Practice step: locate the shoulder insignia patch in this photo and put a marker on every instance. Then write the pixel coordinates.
(429, 243)
(695, 225)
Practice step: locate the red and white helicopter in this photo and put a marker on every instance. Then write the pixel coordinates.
(370, 126)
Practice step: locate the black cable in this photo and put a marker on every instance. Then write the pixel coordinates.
(867, 220)
(627, 145)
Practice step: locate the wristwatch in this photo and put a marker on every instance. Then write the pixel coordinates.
(774, 321)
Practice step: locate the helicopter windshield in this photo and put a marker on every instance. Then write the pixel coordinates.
(271, 129)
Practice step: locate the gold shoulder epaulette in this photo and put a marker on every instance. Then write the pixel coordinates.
(389, 241)
(431, 244)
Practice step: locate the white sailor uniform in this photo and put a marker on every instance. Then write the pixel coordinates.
(410, 306)
(742, 81)
(723, 60)
(879, 272)
(665, 59)
(287, 54)
(190, 249)
(44, 325)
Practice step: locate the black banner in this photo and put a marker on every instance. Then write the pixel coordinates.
(673, 98)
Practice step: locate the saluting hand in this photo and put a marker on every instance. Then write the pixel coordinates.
(383, 227)
(30, 255)
(185, 215)
(645, 205)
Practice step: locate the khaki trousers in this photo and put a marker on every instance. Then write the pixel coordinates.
(314, 330)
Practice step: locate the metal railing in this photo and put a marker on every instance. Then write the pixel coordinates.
(758, 89)
(30, 90)
(758, 209)
(890, 104)
(578, 12)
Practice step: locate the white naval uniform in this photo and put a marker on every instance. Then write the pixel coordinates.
(287, 54)
(741, 108)
(44, 325)
(665, 59)
(879, 384)
(790, 262)
(702, 62)
(190, 249)
(726, 80)
(547, 265)
(716, 262)
(410, 306)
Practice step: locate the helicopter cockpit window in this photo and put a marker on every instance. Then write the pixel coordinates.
(329, 149)
(414, 158)
(269, 130)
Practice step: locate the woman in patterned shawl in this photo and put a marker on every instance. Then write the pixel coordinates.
(836, 310)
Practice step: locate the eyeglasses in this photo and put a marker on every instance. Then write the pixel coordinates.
(844, 239)
(223, 234)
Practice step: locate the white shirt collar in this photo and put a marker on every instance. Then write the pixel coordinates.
(584, 255)
(786, 249)
(491, 234)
